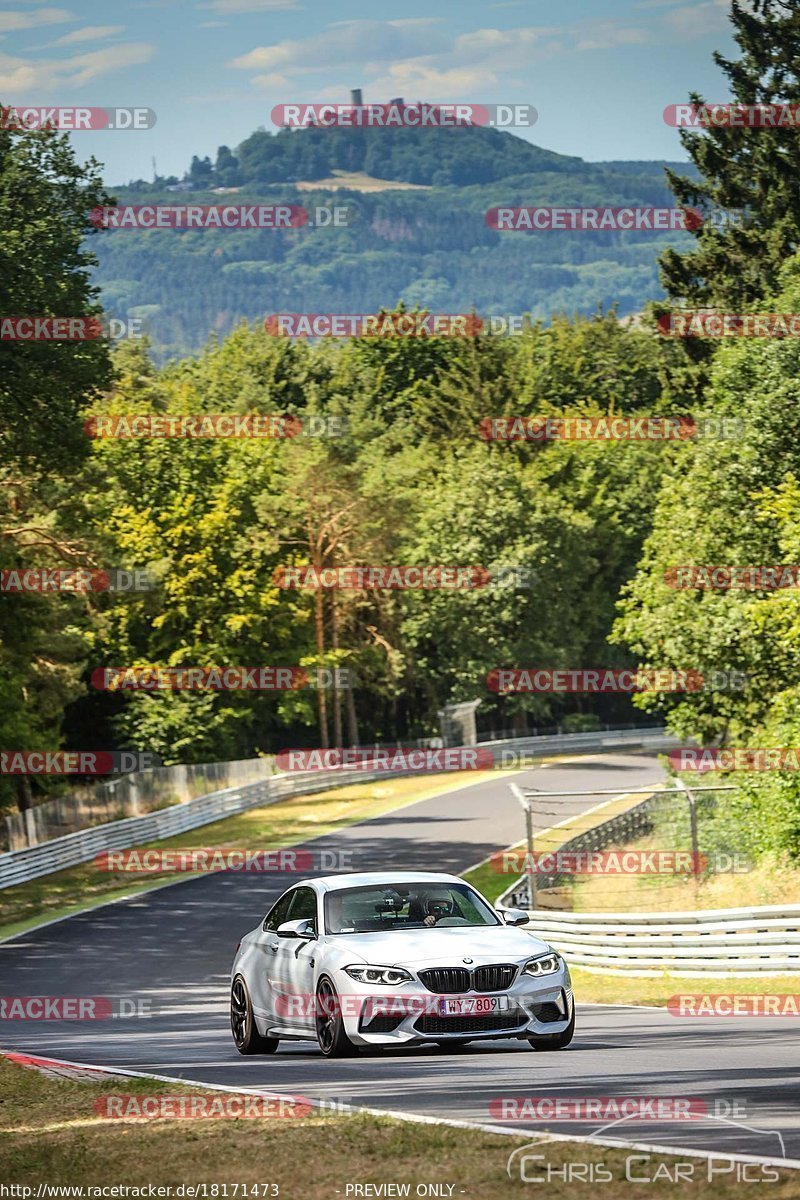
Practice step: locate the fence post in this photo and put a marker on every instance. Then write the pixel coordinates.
(693, 827)
(531, 859)
(526, 805)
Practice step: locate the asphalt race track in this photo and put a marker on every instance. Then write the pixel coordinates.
(173, 948)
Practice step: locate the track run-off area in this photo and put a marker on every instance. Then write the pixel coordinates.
(171, 949)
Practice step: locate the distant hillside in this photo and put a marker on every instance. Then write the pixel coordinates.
(429, 247)
(437, 157)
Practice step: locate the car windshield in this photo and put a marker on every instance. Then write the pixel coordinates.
(384, 907)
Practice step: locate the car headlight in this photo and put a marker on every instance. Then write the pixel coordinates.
(388, 975)
(545, 964)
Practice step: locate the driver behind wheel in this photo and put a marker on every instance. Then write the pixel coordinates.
(437, 908)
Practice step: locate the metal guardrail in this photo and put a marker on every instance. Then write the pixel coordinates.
(724, 941)
(508, 751)
(20, 866)
(130, 795)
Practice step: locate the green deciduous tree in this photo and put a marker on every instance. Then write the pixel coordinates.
(45, 201)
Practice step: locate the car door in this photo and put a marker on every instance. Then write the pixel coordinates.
(295, 962)
(264, 980)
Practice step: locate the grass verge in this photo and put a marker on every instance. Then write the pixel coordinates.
(656, 990)
(771, 880)
(492, 881)
(53, 1135)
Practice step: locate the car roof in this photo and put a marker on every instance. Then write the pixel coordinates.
(334, 883)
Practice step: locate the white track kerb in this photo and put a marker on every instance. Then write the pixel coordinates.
(110, 1073)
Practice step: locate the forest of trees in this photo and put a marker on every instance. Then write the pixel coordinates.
(593, 527)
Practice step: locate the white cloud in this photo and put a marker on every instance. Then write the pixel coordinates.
(348, 43)
(90, 33)
(416, 81)
(274, 80)
(10, 21)
(246, 6)
(607, 35)
(419, 57)
(695, 20)
(498, 49)
(20, 75)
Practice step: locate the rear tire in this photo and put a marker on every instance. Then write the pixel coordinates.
(333, 1041)
(243, 1023)
(555, 1041)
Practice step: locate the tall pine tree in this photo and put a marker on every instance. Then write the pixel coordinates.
(754, 170)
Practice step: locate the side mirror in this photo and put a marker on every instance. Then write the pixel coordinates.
(514, 916)
(297, 929)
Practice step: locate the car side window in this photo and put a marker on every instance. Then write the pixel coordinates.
(304, 906)
(278, 914)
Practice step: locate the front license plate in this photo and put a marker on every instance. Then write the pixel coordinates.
(473, 1006)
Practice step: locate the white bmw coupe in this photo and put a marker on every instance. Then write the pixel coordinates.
(395, 959)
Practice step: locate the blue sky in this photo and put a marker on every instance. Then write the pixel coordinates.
(599, 72)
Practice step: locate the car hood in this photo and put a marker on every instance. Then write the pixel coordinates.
(441, 947)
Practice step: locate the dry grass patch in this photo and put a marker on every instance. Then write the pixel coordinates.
(51, 1134)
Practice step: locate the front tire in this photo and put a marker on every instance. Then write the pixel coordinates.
(333, 1041)
(243, 1023)
(555, 1041)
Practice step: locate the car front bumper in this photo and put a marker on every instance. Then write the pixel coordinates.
(411, 1013)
